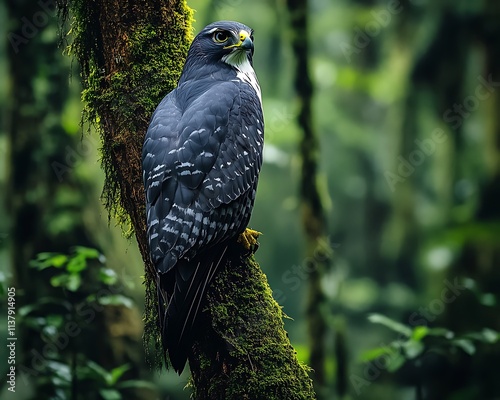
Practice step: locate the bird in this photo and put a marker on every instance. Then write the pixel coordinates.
(201, 160)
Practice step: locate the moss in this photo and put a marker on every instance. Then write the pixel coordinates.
(253, 358)
(131, 85)
(130, 54)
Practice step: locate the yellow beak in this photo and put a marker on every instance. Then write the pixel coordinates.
(245, 42)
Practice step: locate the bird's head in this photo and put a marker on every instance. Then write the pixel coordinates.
(229, 42)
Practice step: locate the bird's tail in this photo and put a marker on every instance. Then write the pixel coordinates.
(180, 295)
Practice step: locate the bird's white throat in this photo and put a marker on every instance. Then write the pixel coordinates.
(238, 59)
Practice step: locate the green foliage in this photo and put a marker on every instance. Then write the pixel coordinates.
(415, 341)
(74, 267)
(80, 275)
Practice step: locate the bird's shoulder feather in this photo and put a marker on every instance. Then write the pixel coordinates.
(201, 153)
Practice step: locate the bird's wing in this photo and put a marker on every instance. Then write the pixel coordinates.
(199, 156)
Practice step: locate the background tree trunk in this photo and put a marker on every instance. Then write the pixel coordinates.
(131, 54)
(313, 216)
(47, 198)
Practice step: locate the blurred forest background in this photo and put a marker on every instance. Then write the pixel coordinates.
(406, 106)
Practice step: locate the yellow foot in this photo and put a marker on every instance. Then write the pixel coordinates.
(249, 239)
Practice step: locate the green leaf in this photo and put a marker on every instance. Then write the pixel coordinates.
(447, 334)
(465, 345)
(76, 265)
(419, 332)
(86, 252)
(488, 299)
(136, 384)
(107, 276)
(375, 353)
(59, 369)
(35, 323)
(49, 331)
(413, 349)
(390, 323)
(47, 260)
(486, 336)
(59, 280)
(71, 282)
(53, 322)
(490, 336)
(58, 382)
(396, 363)
(110, 394)
(117, 373)
(115, 300)
(95, 372)
(74, 282)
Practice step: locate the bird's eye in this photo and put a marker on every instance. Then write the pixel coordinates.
(220, 36)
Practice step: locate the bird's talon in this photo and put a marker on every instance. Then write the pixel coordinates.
(249, 240)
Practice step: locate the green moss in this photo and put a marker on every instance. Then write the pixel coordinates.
(259, 361)
(120, 92)
(150, 67)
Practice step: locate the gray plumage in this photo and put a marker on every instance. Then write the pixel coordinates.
(201, 160)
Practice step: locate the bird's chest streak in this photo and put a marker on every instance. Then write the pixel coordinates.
(250, 78)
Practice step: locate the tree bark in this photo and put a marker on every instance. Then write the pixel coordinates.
(131, 54)
(313, 216)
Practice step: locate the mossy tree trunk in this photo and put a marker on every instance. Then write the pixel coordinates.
(313, 216)
(131, 54)
(245, 352)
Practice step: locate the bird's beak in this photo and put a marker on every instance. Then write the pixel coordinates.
(245, 43)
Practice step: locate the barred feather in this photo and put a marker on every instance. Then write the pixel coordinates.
(201, 160)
